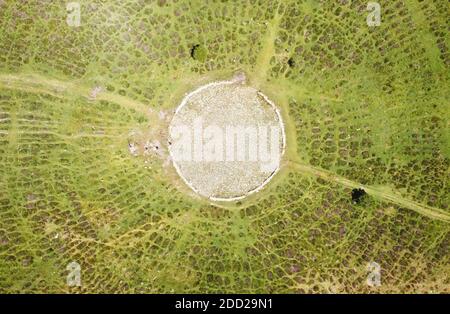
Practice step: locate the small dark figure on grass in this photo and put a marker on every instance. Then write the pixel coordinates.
(358, 195)
(291, 62)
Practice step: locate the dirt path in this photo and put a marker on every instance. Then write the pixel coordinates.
(390, 196)
(40, 84)
(268, 50)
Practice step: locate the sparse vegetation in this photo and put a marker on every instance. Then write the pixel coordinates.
(364, 107)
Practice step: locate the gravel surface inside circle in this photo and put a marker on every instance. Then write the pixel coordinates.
(224, 119)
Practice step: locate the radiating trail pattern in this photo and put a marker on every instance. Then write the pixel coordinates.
(363, 107)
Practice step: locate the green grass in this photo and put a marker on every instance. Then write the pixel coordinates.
(363, 107)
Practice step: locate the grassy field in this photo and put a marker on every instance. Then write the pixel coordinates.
(363, 107)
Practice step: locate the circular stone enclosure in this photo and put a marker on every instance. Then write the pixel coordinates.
(226, 140)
